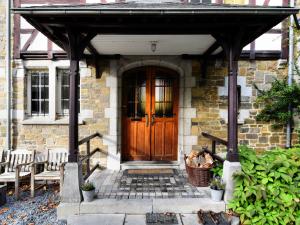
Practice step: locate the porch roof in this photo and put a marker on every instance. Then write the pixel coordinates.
(154, 19)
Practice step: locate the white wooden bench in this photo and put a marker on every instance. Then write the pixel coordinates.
(17, 167)
(54, 163)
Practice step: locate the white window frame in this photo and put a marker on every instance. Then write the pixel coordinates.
(29, 98)
(52, 67)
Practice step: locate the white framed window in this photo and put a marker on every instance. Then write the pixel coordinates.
(62, 88)
(38, 92)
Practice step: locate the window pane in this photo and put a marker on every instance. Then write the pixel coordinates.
(44, 93)
(44, 79)
(34, 92)
(34, 107)
(44, 107)
(65, 93)
(65, 79)
(34, 79)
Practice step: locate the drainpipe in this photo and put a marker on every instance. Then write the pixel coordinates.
(290, 75)
(8, 75)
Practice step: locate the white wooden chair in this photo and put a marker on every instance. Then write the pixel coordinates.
(17, 167)
(56, 159)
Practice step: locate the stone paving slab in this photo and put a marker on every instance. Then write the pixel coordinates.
(184, 205)
(104, 219)
(131, 206)
(135, 220)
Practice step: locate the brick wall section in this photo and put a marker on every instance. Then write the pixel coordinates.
(2, 70)
(258, 135)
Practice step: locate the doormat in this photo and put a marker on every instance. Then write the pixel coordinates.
(161, 219)
(150, 172)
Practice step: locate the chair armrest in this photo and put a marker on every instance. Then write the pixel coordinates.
(38, 163)
(3, 164)
(18, 166)
(62, 165)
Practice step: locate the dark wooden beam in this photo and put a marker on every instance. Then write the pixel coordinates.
(30, 40)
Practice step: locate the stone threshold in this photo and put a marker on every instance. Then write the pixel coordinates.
(138, 206)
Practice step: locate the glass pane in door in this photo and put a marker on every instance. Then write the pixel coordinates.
(164, 96)
(136, 95)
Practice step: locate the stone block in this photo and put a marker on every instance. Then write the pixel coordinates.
(229, 168)
(71, 192)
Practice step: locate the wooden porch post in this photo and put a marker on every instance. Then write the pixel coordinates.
(232, 153)
(73, 110)
(232, 46)
(77, 42)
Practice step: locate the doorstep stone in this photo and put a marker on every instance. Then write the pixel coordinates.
(184, 205)
(104, 219)
(131, 206)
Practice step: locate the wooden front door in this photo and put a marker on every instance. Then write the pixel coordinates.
(150, 114)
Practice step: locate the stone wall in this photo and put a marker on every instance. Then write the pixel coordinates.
(2, 73)
(211, 105)
(94, 99)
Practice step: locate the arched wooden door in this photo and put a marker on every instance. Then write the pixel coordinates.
(150, 114)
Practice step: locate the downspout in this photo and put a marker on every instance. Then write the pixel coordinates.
(290, 75)
(8, 75)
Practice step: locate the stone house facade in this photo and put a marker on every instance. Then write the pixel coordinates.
(202, 100)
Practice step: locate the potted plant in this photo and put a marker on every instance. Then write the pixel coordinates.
(217, 189)
(88, 191)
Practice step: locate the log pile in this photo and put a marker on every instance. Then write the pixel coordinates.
(198, 159)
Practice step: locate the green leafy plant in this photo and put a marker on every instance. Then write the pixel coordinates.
(267, 190)
(276, 101)
(217, 169)
(88, 186)
(217, 184)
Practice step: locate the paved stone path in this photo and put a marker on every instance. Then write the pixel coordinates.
(120, 185)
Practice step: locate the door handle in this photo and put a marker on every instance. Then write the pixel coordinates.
(147, 120)
(152, 119)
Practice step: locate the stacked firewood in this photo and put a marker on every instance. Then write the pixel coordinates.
(199, 159)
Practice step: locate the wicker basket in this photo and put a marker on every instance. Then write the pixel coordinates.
(199, 177)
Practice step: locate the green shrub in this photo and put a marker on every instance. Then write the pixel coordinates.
(268, 189)
(217, 184)
(88, 186)
(217, 169)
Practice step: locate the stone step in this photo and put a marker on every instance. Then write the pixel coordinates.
(142, 206)
(139, 206)
(125, 219)
(149, 165)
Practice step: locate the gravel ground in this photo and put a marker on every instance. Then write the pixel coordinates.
(40, 210)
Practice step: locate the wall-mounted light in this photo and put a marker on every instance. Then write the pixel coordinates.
(153, 45)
